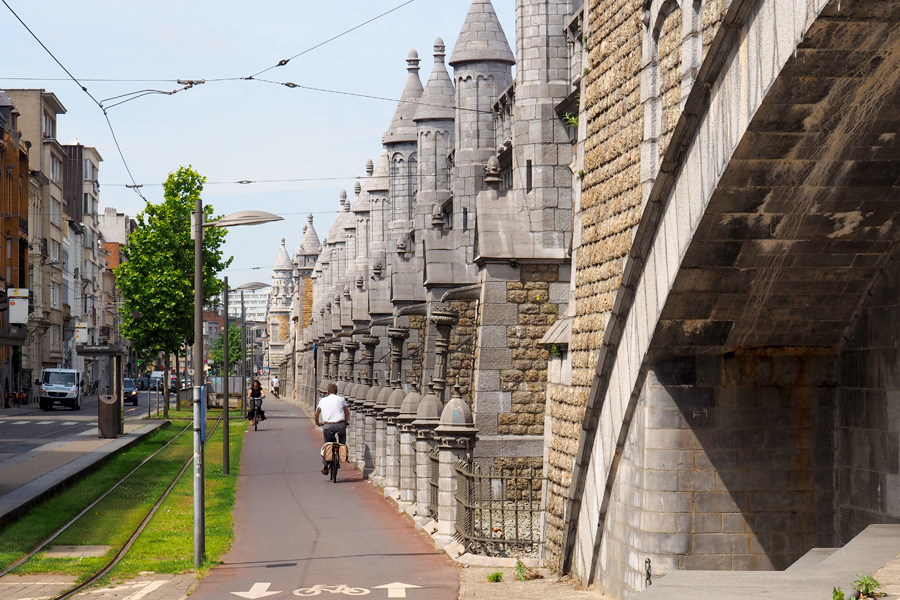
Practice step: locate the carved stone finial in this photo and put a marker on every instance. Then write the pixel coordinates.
(492, 171)
(437, 216)
(370, 167)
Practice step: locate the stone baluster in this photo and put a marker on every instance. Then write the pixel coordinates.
(444, 320)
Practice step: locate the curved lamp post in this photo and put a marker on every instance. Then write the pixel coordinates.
(247, 217)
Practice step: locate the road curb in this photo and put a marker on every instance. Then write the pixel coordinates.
(17, 502)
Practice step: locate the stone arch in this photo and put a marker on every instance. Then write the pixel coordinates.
(672, 52)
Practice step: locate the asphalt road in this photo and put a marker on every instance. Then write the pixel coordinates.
(32, 427)
(299, 534)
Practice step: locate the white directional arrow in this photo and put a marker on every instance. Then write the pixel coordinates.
(259, 590)
(396, 589)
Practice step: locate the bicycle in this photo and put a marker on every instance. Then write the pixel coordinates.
(257, 403)
(335, 463)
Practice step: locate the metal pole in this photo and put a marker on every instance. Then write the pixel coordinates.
(199, 515)
(243, 358)
(225, 404)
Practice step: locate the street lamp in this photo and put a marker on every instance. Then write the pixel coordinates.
(250, 217)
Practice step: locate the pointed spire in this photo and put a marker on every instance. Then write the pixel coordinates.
(437, 99)
(283, 263)
(310, 244)
(482, 38)
(402, 128)
(380, 180)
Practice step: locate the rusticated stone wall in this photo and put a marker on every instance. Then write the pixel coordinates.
(526, 381)
(462, 349)
(670, 77)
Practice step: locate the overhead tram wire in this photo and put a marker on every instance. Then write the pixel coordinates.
(250, 181)
(85, 90)
(285, 61)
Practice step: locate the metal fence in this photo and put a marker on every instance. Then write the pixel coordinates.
(499, 513)
(434, 481)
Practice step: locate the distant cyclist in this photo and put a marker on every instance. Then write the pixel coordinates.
(255, 395)
(275, 386)
(333, 414)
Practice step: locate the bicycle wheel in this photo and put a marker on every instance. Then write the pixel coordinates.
(335, 463)
(255, 419)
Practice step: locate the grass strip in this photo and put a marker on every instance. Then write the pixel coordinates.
(112, 521)
(21, 536)
(167, 544)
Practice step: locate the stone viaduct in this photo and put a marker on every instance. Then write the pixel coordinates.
(661, 262)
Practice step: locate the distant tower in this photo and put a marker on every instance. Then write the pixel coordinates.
(280, 297)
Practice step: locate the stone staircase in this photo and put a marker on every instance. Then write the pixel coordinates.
(812, 577)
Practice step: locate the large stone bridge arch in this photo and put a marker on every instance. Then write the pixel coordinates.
(748, 364)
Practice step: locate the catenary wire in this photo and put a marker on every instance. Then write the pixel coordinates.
(84, 88)
(285, 61)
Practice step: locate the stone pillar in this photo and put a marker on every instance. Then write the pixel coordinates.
(391, 412)
(428, 415)
(350, 347)
(369, 342)
(444, 319)
(450, 449)
(369, 433)
(380, 434)
(456, 438)
(407, 483)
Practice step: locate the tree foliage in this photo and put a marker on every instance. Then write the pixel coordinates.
(157, 279)
(217, 351)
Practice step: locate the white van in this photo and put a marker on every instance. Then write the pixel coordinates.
(60, 386)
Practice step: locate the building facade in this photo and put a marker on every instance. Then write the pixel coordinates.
(14, 191)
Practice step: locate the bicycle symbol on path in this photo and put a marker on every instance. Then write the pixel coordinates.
(394, 590)
(332, 589)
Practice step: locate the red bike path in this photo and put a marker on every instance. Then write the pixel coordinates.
(298, 533)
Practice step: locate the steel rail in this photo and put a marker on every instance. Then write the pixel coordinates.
(140, 528)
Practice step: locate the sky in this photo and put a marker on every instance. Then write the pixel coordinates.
(236, 129)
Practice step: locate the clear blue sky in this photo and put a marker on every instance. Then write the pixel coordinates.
(231, 130)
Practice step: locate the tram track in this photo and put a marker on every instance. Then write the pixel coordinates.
(134, 534)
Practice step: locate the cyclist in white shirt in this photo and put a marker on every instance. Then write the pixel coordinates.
(333, 414)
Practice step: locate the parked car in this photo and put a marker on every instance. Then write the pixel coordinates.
(129, 391)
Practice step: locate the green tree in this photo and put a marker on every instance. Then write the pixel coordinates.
(217, 351)
(156, 280)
